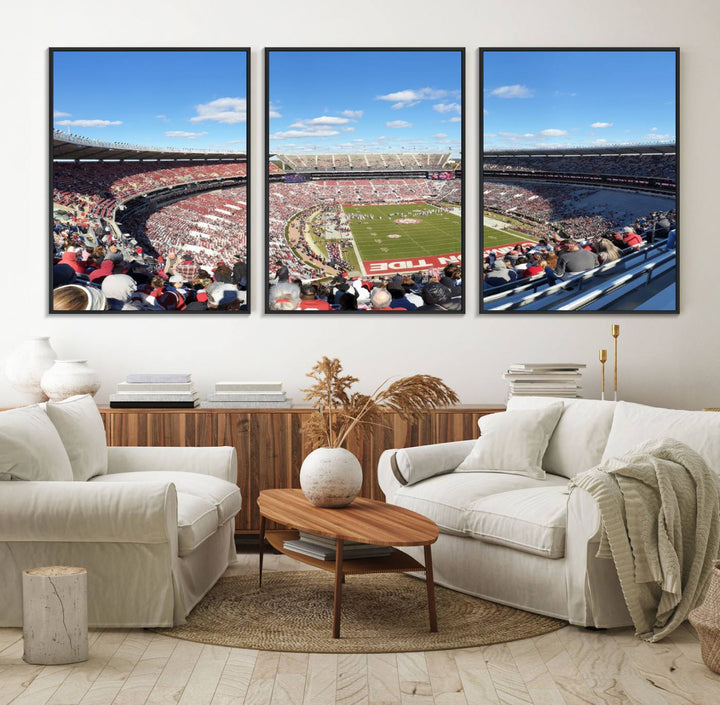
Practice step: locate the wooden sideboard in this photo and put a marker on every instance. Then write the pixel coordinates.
(270, 443)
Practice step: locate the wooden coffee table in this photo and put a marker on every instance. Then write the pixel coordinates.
(365, 520)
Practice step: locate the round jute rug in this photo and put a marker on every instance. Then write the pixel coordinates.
(380, 613)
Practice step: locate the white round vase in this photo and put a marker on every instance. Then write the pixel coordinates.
(26, 366)
(331, 477)
(66, 378)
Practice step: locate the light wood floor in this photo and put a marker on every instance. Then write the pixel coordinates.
(568, 666)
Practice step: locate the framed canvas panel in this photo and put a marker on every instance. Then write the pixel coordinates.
(364, 181)
(149, 192)
(579, 186)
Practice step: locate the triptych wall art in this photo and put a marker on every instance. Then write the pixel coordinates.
(365, 208)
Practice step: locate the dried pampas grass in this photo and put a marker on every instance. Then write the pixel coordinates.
(338, 410)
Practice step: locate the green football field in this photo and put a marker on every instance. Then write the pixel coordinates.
(492, 237)
(438, 233)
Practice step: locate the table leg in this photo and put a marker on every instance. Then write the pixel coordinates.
(261, 548)
(337, 597)
(430, 588)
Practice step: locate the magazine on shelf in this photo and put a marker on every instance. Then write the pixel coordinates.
(326, 553)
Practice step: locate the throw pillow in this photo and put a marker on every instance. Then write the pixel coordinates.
(411, 465)
(30, 447)
(513, 442)
(81, 429)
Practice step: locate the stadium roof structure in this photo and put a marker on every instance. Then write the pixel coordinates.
(670, 148)
(67, 146)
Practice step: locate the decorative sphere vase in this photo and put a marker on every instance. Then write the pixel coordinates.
(66, 378)
(26, 366)
(331, 477)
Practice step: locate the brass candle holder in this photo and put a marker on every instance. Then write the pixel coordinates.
(615, 330)
(603, 360)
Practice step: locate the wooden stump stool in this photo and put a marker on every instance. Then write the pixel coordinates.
(55, 615)
(706, 620)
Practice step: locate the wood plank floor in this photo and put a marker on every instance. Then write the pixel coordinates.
(567, 667)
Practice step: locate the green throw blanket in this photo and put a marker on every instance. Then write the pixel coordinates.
(660, 524)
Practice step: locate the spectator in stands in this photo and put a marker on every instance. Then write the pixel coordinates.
(607, 251)
(309, 300)
(399, 299)
(437, 298)
(223, 297)
(631, 238)
(114, 254)
(413, 291)
(74, 297)
(200, 302)
(118, 290)
(671, 243)
(380, 300)
(499, 274)
(188, 268)
(348, 300)
(284, 296)
(62, 274)
(451, 278)
(536, 265)
(239, 272)
(105, 269)
(69, 257)
(573, 259)
(223, 274)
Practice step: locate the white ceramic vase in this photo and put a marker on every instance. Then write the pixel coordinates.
(66, 378)
(331, 477)
(26, 366)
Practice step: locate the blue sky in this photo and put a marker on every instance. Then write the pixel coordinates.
(365, 101)
(564, 98)
(181, 99)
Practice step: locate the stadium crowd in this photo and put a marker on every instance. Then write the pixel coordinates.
(551, 259)
(438, 290)
(642, 165)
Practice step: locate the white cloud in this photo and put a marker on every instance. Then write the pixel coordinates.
(352, 114)
(59, 114)
(226, 110)
(601, 125)
(658, 136)
(348, 129)
(455, 119)
(552, 132)
(322, 120)
(89, 123)
(185, 135)
(653, 129)
(314, 132)
(161, 117)
(446, 107)
(440, 136)
(409, 97)
(398, 123)
(514, 91)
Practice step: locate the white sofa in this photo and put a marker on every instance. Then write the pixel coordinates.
(154, 527)
(529, 542)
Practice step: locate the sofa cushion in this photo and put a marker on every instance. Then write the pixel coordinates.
(634, 424)
(30, 447)
(81, 429)
(223, 495)
(446, 499)
(580, 437)
(513, 442)
(532, 520)
(197, 521)
(421, 462)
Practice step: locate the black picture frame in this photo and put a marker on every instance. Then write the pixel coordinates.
(238, 110)
(603, 291)
(271, 262)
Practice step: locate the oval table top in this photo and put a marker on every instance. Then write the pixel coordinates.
(364, 520)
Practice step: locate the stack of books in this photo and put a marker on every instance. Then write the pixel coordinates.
(155, 391)
(545, 379)
(247, 395)
(323, 548)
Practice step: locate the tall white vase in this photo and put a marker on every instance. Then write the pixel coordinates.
(66, 378)
(331, 477)
(25, 367)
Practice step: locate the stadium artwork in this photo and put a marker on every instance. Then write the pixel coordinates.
(149, 192)
(364, 180)
(579, 180)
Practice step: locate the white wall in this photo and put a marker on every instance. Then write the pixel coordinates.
(665, 359)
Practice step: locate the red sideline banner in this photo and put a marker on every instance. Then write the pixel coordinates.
(393, 266)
